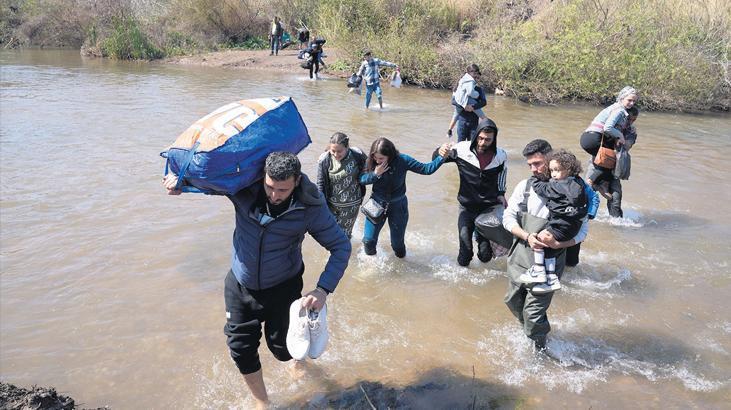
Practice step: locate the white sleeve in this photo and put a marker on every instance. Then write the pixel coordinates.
(510, 217)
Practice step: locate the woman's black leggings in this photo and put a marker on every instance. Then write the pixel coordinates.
(591, 140)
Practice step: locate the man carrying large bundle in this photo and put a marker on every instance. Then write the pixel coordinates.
(272, 218)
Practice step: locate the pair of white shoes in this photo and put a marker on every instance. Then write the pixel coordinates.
(544, 282)
(307, 334)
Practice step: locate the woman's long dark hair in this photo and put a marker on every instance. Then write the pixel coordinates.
(382, 146)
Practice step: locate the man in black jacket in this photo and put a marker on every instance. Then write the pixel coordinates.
(483, 172)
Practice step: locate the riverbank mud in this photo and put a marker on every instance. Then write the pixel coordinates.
(257, 59)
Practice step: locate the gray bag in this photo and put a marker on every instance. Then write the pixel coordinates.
(624, 163)
(489, 225)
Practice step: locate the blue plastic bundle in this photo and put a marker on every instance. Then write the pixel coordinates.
(224, 151)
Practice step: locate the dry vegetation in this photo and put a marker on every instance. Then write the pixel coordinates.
(676, 52)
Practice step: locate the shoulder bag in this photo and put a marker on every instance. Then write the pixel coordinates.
(605, 157)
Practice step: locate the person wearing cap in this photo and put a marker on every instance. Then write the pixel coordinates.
(483, 170)
(468, 100)
(369, 70)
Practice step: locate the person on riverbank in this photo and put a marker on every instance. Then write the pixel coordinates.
(386, 170)
(466, 94)
(303, 35)
(370, 71)
(483, 170)
(606, 129)
(275, 36)
(338, 179)
(567, 205)
(525, 217)
(272, 218)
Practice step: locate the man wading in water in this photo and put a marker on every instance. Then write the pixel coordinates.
(525, 218)
(483, 170)
(272, 218)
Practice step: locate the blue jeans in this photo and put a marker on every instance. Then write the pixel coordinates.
(276, 42)
(370, 88)
(397, 217)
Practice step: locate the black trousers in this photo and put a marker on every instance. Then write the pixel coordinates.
(314, 67)
(466, 226)
(247, 310)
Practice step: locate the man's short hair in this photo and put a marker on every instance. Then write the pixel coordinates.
(281, 165)
(537, 146)
(366, 53)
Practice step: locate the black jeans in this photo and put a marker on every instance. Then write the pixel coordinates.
(247, 309)
(614, 205)
(466, 226)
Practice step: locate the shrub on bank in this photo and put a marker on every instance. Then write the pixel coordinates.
(675, 52)
(128, 42)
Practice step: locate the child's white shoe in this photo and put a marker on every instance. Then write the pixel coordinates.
(536, 274)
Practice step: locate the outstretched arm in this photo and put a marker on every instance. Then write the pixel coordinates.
(421, 167)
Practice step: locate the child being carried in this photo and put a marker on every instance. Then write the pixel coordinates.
(567, 204)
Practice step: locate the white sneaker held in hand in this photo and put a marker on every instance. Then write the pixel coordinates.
(298, 334)
(317, 323)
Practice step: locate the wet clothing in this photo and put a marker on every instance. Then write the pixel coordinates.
(567, 205)
(339, 183)
(369, 70)
(614, 188)
(267, 266)
(467, 121)
(390, 191)
(479, 188)
(268, 251)
(316, 58)
(527, 209)
(247, 310)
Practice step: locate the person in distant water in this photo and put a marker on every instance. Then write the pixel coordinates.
(468, 100)
(483, 170)
(272, 218)
(369, 70)
(338, 179)
(275, 36)
(316, 52)
(525, 217)
(386, 169)
(567, 204)
(605, 130)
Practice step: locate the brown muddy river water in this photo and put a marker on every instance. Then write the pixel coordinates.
(112, 291)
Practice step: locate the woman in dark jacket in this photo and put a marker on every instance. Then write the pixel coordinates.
(338, 175)
(386, 170)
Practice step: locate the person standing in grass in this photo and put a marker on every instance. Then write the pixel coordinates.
(369, 70)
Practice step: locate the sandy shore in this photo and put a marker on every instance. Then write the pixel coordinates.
(257, 59)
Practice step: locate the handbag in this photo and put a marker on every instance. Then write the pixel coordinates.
(374, 211)
(605, 157)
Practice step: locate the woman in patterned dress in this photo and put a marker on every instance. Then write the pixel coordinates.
(338, 173)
